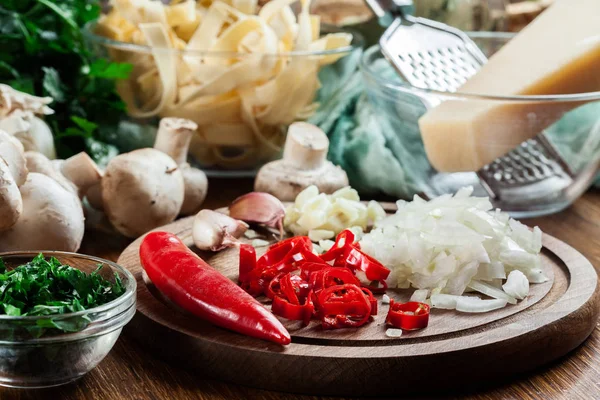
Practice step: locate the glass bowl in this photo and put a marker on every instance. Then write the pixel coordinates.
(237, 133)
(397, 106)
(33, 356)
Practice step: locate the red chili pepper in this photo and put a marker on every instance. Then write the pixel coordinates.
(343, 306)
(408, 316)
(378, 289)
(297, 312)
(195, 286)
(372, 300)
(356, 260)
(342, 242)
(247, 261)
(331, 276)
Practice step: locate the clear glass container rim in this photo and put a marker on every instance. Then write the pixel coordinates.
(404, 87)
(358, 41)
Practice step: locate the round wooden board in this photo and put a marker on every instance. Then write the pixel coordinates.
(454, 351)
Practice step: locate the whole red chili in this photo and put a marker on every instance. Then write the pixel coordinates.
(187, 280)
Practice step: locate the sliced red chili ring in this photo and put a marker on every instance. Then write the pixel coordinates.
(331, 276)
(247, 261)
(343, 306)
(296, 312)
(343, 240)
(299, 285)
(408, 316)
(372, 300)
(378, 289)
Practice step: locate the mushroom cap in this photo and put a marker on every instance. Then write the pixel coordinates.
(11, 150)
(37, 162)
(52, 218)
(142, 190)
(196, 187)
(11, 204)
(285, 181)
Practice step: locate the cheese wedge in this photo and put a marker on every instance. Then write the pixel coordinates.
(558, 53)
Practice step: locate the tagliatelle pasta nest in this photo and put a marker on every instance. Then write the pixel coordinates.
(231, 67)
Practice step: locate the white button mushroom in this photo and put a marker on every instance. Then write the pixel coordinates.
(12, 152)
(13, 173)
(142, 190)
(81, 170)
(52, 218)
(304, 163)
(11, 205)
(37, 162)
(173, 138)
(18, 117)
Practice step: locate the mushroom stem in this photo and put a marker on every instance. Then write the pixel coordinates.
(82, 171)
(11, 99)
(304, 163)
(305, 147)
(94, 196)
(174, 136)
(173, 139)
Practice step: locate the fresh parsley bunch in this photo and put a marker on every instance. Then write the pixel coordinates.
(43, 52)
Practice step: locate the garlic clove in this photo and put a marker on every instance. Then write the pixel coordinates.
(260, 208)
(215, 231)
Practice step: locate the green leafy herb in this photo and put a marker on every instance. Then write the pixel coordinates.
(44, 53)
(47, 287)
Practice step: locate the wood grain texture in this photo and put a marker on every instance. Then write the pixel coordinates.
(456, 350)
(130, 371)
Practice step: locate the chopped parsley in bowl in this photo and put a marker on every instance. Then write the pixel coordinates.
(60, 314)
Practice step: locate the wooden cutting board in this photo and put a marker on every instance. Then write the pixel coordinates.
(456, 350)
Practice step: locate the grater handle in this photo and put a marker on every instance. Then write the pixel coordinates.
(388, 10)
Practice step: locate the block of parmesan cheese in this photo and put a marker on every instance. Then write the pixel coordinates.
(558, 53)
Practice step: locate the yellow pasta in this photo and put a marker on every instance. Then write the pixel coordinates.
(233, 75)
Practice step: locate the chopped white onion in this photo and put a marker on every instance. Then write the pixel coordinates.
(493, 292)
(452, 243)
(517, 285)
(385, 299)
(477, 305)
(419, 295)
(444, 301)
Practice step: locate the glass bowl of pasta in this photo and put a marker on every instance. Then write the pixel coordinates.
(242, 72)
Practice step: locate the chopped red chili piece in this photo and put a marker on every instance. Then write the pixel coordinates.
(247, 261)
(297, 312)
(408, 316)
(343, 306)
(302, 284)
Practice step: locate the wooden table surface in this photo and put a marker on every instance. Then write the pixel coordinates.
(130, 372)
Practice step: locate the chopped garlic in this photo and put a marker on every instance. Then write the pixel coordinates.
(259, 243)
(393, 332)
(322, 216)
(317, 235)
(385, 299)
(317, 249)
(251, 234)
(326, 244)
